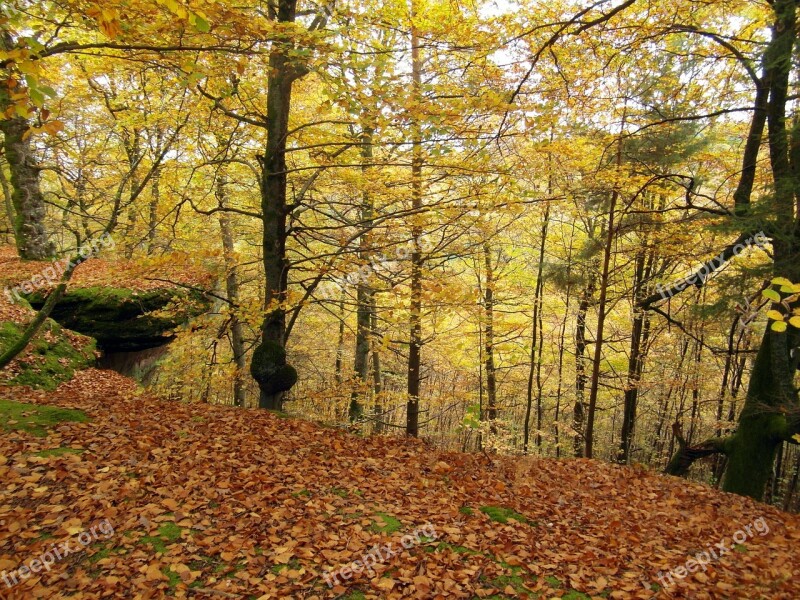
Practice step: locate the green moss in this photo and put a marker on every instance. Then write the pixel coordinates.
(575, 595)
(553, 582)
(465, 510)
(293, 564)
(168, 533)
(390, 523)
(454, 548)
(355, 596)
(36, 418)
(172, 576)
(51, 357)
(503, 581)
(58, 452)
(121, 319)
(502, 515)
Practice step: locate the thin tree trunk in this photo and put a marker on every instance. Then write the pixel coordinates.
(377, 381)
(535, 369)
(415, 319)
(488, 339)
(601, 319)
(232, 291)
(579, 410)
(337, 369)
(364, 292)
(153, 217)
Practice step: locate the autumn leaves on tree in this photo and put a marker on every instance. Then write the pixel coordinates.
(469, 223)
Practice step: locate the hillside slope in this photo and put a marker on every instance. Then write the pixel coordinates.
(198, 501)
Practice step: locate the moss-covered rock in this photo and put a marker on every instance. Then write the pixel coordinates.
(124, 320)
(51, 358)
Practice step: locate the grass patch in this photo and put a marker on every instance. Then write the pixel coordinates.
(466, 510)
(390, 523)
(453, 548)
(58, 452)
(293, 564)
(502, 515)
(168, 533)
(503, 581)
(36, 418)
(355, 596)
(553, 582)
(172, 576)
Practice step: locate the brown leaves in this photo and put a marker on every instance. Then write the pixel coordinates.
(242, 503)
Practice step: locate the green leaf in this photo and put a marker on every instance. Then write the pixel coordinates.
(37, 97)
(779, 326)
(771, 295)
(201, 24)
(781, 281)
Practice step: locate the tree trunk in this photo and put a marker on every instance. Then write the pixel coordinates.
(377, 381)
(26, 194)
(415, 319)
(268, 364)
(535, 369)
(579, 410)
(152, 224)
(364, 292)
(232, 291)
(488, 339)
(338, 366)
(639, 334)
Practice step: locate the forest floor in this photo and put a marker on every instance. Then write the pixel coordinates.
(146, 498)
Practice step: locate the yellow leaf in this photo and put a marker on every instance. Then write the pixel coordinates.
(781, 281)
(795, 322)
(154, 573)
(779, 326)
(775, 315)
(22, 110)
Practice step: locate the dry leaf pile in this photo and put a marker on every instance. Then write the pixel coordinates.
(216, 502)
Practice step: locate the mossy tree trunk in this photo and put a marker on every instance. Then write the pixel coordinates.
(770, 413)
(26, 194)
